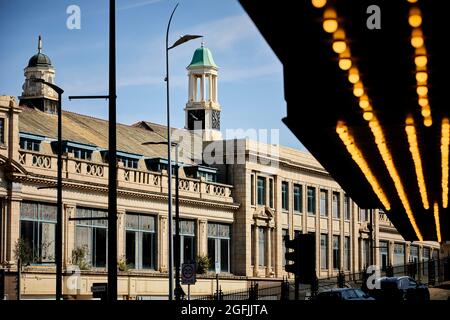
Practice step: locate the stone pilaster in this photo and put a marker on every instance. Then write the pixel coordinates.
(12, 228)
(163, 244)
(69, 233)
(202, 237)
(121, 247)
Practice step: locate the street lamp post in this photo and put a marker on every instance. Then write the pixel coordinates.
(183, 39)
(58, 235)
(178, 289)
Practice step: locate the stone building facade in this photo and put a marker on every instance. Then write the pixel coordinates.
(236, 213)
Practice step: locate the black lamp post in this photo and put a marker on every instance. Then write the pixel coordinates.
(182, 40)
(178, 289)
(58, 242)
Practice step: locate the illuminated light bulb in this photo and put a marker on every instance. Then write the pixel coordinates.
(421, 76)
(412, 1)
(423, 101)
(358, 89)
(345, 63)
(417, 38)
(426, 111)
(428, 122)
(415, 18)
(319, 3)
(353, 75)
(339, 44)
(422, 91)
(368, 115)
(421, 61)
(330, 23)
(364, 102)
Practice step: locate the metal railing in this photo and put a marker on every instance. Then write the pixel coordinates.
(432, 273)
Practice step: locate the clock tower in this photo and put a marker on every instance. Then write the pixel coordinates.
(203, 108)
(36, 94)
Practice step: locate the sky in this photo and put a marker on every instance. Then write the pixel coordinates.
(250, 83)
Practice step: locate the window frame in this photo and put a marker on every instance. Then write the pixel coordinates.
(298, 198)
(311, 200)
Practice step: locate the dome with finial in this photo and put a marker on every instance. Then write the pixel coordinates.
(39, 59)
(202, 58)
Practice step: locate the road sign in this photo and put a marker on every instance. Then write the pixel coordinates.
(188, 273)
(217, 267)
(99, 290)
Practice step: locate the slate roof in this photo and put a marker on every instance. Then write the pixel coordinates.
(94, 131)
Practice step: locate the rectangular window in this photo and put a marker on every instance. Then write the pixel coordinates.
(347, 208)
(298, 196)
(2, 130)
(92, 235)
(414, 254)
(79, 153)
(262, 246)
(426, 254)
(188, 246)
(128, 162)
(37, 230)
(252, 191)
(365, 253)
(271, 193)
(311, 200)
(363, 215)
(347, 248)
(261, 191)
(285, 195)
(219, 237)
(30, 144)
(285, 235)
(399, 254)
(323, 203)
(253, 235)
(336, 253)
(323, 251)
(140, 241)
(384, 254)
(336, 207)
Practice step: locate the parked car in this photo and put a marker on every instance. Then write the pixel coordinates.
(340, 294)
(400, 288)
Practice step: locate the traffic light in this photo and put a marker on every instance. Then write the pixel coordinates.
(292, 257)
(301, 261)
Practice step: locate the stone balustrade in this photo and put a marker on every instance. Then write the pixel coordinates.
(137, 179)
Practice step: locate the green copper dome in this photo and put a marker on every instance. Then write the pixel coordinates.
(202, 58)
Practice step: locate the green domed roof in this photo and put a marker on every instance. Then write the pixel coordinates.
(39, 60)
(202, 58)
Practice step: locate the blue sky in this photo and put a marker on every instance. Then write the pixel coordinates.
(250, 75)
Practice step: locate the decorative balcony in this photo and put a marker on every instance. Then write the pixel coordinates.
(90, 172)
